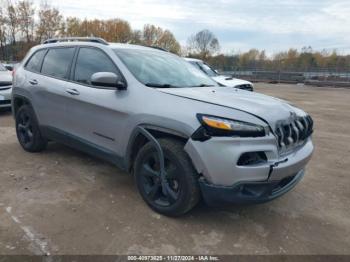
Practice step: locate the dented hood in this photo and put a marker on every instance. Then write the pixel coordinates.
(265, 107)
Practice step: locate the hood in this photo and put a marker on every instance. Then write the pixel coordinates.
(265, 107)
(5, 77)
(229, 81)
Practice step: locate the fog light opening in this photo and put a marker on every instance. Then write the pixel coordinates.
(252, 158)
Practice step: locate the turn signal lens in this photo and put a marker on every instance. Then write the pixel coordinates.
(218, 126)
(216, 123)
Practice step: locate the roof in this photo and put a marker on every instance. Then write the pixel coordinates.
(193, 59)
(96, 44)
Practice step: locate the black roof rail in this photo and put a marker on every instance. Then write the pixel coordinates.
(157, 47)
(72, 39)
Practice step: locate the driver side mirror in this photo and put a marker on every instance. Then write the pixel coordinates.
(108, 79)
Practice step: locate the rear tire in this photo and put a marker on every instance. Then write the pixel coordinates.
(181, 177)
(27, 130)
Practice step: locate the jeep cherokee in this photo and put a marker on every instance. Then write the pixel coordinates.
(154, 115)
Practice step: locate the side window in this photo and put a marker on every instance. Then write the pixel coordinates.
(57, 61)
(34, 62)
(90, 61)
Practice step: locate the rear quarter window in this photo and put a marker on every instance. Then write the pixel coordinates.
(34, 63)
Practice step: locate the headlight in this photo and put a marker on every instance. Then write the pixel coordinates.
(218, 126)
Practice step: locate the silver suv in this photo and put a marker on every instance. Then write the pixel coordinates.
(154, 115)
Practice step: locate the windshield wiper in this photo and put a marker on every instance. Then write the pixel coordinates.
(203, 85)
(160, 85)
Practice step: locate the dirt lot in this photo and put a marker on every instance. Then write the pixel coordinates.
(65, 202)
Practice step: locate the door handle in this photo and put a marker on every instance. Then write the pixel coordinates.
(33, 82)
(72, 91)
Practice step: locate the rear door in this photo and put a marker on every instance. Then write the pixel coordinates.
(50, 86)
(30, 81)
(96, 114)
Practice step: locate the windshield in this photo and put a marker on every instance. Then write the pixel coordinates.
(208, 70)
(162, 69)
(2, 68)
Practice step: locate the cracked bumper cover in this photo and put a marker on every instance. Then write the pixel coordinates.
(223, 181)
(248, 192)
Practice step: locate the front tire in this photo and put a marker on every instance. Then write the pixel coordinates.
(181, 177)
(27, 130)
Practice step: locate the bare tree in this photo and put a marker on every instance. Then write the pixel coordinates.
(3, 22)
(151, 34)
(50, 22)
(72, 27)
(12, 20)
(168, 41)
(26, 11)
(156, 36)
(136, 37)
(203, 44)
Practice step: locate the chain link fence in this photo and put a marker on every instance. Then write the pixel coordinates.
(313, 76)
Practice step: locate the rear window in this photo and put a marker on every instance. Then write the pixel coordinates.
(57, 62)
(34, 62)
(2, 68)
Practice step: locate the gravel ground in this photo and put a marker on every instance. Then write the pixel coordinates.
(64, 202)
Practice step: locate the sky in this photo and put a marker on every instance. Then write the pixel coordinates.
(272, 25)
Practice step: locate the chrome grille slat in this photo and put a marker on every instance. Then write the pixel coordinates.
(296, 131)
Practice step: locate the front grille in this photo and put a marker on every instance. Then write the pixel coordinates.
(5, 102)
(293, 132)
(5, 84)
(245, 87)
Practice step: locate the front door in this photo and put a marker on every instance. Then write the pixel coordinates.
(95, 115)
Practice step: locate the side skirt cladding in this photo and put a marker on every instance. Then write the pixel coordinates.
(83, 145)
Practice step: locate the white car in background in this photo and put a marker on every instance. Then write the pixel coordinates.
(221, 79)
(5, 87)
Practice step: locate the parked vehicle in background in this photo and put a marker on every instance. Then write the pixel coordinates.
(9, 66)
(156, 116)
(5, 87)
(221, 79)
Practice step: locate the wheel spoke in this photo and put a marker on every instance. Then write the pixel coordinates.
(21, 127)
(27, 123)
(153, 193)
(148, 171)
(170, 194)
(30, 134)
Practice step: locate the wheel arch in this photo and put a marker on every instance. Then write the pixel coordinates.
(138, 140)
(18, 101)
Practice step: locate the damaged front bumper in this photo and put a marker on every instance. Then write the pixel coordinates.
(248, 192)
(225, 180)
